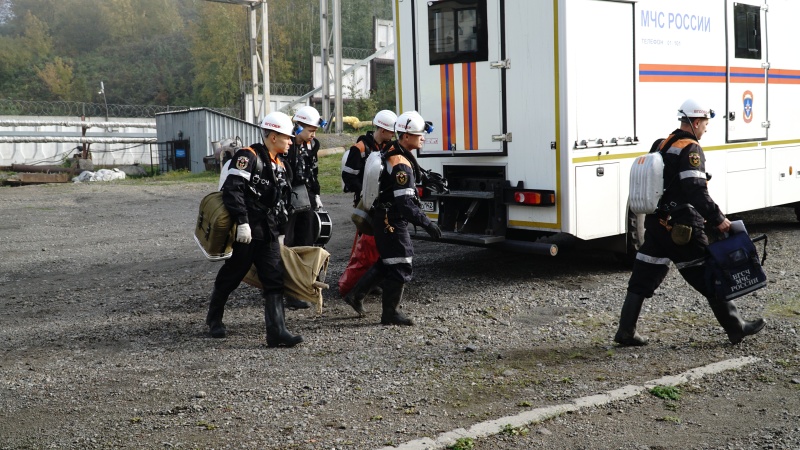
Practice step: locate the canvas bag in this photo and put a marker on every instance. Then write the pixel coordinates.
(733, 268)
(214, 230)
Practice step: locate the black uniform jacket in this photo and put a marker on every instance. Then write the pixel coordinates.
(398, 191)
(353, 170)
(686, 197)
(303, 163)
(253, 197)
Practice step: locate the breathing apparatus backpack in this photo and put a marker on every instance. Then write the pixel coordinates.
(646, 185)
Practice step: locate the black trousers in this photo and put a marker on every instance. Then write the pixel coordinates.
(652, 261)
(266, 255)
(394, 247)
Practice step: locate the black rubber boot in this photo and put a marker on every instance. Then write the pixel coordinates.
(277, 335)
(377, 291)
(295, 304)
(355, 298)
(392, 294)
(735, 327)
(626, 334)
(216, 308)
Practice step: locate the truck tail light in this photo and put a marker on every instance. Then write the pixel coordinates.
(534, 198)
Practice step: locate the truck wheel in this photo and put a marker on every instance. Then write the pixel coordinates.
(797, 211)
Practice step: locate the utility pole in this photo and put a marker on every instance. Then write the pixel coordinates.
(323, 45)
(337, 66)
(259, 56)
(337, 61)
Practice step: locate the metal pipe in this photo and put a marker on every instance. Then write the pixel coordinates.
(75, 123)
(71, 140)
(535, 248)
(41, 169)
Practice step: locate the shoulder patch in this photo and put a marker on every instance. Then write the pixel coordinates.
(241, 162)
(401, 177)
(694, 159)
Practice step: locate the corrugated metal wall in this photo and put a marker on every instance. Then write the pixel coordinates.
(201, 127)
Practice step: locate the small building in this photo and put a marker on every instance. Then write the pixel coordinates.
(187, 139)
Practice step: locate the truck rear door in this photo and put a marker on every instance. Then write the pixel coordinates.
(747, 71)
(459, 74)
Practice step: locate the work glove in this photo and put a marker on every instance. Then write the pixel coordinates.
(318, 201)
(433, 230)
(243, 234)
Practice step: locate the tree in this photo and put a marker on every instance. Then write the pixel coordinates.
(218, 54)
(57, 77)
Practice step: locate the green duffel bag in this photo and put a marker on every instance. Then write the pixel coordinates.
(215, 230)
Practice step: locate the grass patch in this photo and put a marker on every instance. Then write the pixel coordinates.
(509, 430)
(666, 392)
(788, 308)
(675, 420)
(462, 444)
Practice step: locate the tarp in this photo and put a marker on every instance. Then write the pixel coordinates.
(100, 175)
(305, 269)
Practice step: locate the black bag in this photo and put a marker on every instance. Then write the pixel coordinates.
(299, 201)
(733, 268)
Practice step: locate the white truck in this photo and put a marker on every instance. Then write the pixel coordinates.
(541, 106)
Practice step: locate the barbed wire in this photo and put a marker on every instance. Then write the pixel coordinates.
(347, 52)
(10, 107)
(290, 89)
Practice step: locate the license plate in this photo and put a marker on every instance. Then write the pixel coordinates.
(428, 206)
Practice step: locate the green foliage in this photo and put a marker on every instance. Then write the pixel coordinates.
(675, 420)
(330, 174)
(167, 52)
(509, 430)
(462, 444)
(666, 392)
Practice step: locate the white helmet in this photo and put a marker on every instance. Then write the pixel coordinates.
(277, 121)
(412, 123)
(308, 115)
(385, 119)
(692, 109)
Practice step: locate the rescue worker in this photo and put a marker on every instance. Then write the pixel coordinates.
(255, 191)
(675, 232)
(397, 204)
(355, 158)
(302, 159)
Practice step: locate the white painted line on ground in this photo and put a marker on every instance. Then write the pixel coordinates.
(492, 427)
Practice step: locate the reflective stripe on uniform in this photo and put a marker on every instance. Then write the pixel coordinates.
(691, 174)
(402, 192)
(350, 170)
(674, 151)
(242, 173)
(652, 259)
(361, 213)
(398, 260)
(693, 263)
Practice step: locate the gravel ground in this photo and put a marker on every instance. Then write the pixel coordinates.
(102, 342)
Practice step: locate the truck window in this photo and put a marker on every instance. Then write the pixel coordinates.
(457, 31)
(747, 29)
